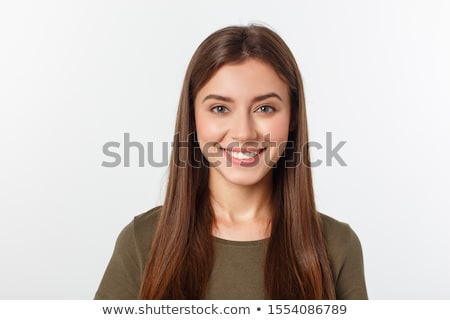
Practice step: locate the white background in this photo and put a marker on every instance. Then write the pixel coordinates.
(77, 74)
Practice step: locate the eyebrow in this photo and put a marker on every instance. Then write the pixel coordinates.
(255, 99)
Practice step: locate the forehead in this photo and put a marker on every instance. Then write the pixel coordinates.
(248, 78)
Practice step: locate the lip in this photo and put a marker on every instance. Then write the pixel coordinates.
(246, 149)
(245, 161)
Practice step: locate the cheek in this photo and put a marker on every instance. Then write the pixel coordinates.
(279, 130)
(207, 130)
(279, 133)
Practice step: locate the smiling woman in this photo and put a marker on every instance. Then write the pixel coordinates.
(239, 219)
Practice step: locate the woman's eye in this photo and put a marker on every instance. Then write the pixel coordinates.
(265, 109)
(219, 109)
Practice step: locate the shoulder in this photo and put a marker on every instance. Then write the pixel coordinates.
(143, 228)
(340, 239)
(337, 232)
(122, 276)
(146, 222)
(346, 258)
(135, 239)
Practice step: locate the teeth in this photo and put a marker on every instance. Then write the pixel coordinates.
(242, 155)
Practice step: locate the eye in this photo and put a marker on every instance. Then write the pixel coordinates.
(219, 109)
(265, 109)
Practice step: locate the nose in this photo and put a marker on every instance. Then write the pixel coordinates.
(243, 128)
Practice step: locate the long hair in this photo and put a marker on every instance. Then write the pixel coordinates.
(180, 260)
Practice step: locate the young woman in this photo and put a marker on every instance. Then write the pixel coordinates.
(239, 219)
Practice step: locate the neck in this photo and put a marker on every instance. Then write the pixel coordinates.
(241, 212)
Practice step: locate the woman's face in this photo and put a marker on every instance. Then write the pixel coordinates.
(242, 121)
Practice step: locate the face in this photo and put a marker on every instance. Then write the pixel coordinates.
(242, 121)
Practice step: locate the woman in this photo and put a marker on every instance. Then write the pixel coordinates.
(239, 219)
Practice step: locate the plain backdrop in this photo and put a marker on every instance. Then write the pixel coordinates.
(75, 75)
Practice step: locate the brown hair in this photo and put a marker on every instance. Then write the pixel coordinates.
(181, 256)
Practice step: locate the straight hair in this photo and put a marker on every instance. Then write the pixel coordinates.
(181, 256)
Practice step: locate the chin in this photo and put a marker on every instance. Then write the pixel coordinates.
(245, 179)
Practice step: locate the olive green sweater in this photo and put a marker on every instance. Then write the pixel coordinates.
(238, 266)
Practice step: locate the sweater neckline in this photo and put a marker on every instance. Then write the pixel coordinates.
(235, 243)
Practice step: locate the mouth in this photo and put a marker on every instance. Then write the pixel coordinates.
(244, 156)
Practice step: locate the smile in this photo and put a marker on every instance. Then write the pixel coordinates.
(244, 156)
